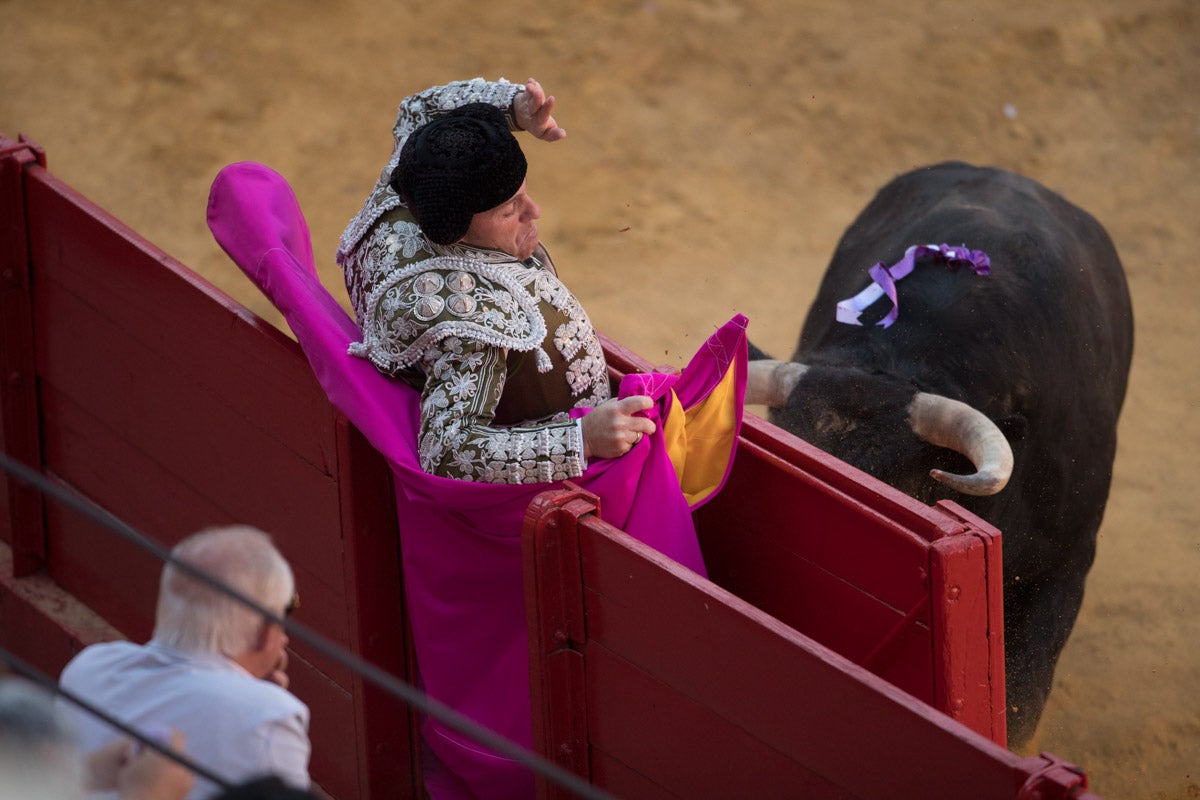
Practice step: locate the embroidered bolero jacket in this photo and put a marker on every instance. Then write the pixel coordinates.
(500, 348)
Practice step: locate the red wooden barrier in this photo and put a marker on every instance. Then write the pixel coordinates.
(168, 404)
(21, 505)
(911, 592)
(655, 683)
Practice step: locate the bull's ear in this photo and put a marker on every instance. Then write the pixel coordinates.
(1013, 427)
(756, 354)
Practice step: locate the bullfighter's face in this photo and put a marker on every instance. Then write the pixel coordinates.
(509, 227)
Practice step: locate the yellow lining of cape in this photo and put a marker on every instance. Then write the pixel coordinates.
(700, 439)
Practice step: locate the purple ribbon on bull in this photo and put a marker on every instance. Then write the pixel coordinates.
(885, 278)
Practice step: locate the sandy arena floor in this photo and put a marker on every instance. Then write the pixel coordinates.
(716, 151)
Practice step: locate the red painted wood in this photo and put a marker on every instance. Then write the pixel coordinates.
(832, 566)
(685, 682)
(812, 562)
(848, 527)
(135, 485)
(20, 506)
(387, 742)
(118, 580)
(223, 388)
(174, 408)
(678, 743)
(799, 454)
(333, 729)
(960, 621)
(968, 618)
(555, 618)
(845, 560)
(38, 637)
(623, 782)
(155, 300)
(42, 624)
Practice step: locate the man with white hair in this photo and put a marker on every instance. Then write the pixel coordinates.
(215, 669)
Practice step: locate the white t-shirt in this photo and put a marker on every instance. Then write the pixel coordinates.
(237, 726)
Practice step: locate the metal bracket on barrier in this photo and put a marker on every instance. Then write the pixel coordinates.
(1052, 778)
(8, 147)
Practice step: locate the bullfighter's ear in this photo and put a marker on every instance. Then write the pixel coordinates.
(756, 354)
(1013, 427)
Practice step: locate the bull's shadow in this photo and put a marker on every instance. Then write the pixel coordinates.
(999, 389)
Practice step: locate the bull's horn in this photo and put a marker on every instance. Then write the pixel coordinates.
(959, 427)
(770, 382)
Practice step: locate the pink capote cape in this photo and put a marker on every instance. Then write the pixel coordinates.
(461, 542)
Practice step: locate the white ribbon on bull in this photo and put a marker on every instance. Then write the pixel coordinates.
(885, 277)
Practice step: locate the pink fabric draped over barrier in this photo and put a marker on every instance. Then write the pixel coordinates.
(462, 541)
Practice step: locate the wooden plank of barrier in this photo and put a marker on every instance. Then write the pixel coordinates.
(690, 691)
(967, 596)
(20, 506)
(174, 408)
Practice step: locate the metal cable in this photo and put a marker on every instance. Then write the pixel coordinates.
(384, 680)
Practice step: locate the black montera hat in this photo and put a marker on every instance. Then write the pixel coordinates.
(456, 166)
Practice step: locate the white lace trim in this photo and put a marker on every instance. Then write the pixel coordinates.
(512, 320)
(463, 250)
(464, 384)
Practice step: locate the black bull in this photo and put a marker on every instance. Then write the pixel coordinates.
(1041, 346)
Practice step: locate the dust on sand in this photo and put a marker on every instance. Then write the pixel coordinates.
(716, 151)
